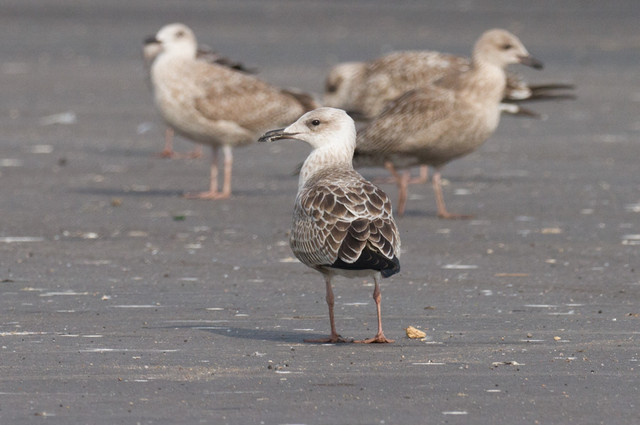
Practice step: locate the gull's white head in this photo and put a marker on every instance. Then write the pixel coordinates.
(176, 39)
(331, 133)
(501, 48)
(321, 128)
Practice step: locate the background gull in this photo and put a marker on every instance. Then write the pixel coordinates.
(364, 88)
(342, 224)
(150, 51)
(213, 104)
(436, 124)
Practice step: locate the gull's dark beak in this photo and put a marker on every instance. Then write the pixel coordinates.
(151, 40)
(273, 135)
(531, 61)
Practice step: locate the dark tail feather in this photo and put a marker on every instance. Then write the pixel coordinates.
(373, 261)
(549, 96)
(236, 66)
(549, 87)
(549, 92)
(395, 268)
(207, 54)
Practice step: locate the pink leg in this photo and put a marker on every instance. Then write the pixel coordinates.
(379, 338)
(403, 189)
(196, 153)
(424, 176)
(392, 169)
(442, 209)
(213, 185)
(334, 337)
(228, 166)
(402, 180)
(167, 152)
(394, 174)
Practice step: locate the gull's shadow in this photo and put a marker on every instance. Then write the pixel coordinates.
(275, 335)
(417, 213)
(456, 180)
(168, 193)
(291, 337)
(110, 192)
(486, 178)
(127, 152)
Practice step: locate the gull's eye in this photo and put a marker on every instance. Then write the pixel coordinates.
(507, 46)
(315, 123)
(180, 34)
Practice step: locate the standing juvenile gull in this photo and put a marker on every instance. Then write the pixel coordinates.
(436, 124)
(364, 88)
(342, 224)
(150, 51)
(213, 104)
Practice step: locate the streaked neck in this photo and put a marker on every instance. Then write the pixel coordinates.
(321, 158)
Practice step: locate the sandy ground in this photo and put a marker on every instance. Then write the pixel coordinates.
(123, 303)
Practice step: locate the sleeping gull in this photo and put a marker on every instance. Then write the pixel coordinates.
(214, 105)
(150, 51)
(342, 224)
(364, 88)
(436, 124)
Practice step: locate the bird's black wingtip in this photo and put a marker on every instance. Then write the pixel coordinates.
(395, 268)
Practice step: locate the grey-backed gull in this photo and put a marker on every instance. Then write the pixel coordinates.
(213, 104)
(439, 123)
(342, 224)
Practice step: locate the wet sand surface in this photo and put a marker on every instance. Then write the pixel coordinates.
(122, 302)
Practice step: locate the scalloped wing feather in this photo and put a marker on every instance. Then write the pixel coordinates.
(341, 217)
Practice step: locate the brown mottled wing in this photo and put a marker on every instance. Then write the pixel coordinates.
(243, 99)
(338, 218)
(396, 73)
(413, 69)
(401, 127)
